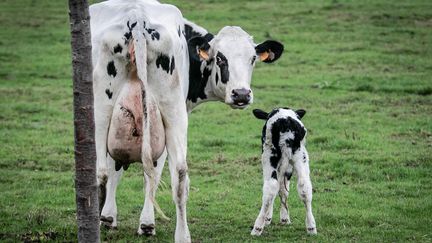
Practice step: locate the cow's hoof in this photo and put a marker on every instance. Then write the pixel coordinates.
(147, 229)
(285, 221)
(107, 222)
(312, 231)
(257, 231)
(268, 221)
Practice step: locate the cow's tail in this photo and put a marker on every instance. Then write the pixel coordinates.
(140, 46)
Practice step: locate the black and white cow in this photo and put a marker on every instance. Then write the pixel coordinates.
(283, 151)
(151, 68)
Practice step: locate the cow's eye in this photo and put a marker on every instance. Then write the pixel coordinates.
(253, 60)
(218, 60)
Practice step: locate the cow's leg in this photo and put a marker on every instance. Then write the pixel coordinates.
(175, 121)
(147, 219)
(304, 189)
(270, 189)
(283, 194)
(109, 212)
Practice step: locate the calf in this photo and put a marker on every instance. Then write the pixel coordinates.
(283, 150)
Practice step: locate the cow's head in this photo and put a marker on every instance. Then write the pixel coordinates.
(232, 55)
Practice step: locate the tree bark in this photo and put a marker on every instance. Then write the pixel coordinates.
(85, 151)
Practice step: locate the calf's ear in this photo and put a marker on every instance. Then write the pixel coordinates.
(260, 114)
(300, 113)
(199, 48)
(269, 51)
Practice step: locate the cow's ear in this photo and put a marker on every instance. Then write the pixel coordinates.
(260, 114)
(199, 48)
(300, 113)
(269, 51)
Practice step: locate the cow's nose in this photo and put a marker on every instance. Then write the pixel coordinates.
(241, 97)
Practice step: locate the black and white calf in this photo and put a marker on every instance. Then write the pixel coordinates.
(284, 151)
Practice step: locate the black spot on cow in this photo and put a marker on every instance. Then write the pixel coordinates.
(189, 33)
(111, 69)
(222, 63)
(253, 60)
(304, 157)
(128, 35)
(288, 175)
(198, 80)
(154, 34)
(164, 62)
(274, 175)
(217, 78)
(179, 31)
(172, 66)
(155, 163)
(108, 93)
(118, 48)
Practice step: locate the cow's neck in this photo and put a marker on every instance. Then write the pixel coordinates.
(202, 74)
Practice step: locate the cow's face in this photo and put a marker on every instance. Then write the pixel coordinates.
(233, 54)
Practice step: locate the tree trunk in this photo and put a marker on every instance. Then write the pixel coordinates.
(85, 151)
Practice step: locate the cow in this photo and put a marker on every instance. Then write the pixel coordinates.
(283, 151)
(152, 67)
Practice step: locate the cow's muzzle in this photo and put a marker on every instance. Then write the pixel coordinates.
(241, 98)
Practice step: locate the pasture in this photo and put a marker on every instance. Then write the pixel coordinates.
(361, 69)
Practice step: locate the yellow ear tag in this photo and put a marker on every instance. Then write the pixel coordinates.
(204, 55)
(264, 56)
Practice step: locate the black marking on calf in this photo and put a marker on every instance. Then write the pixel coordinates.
(118, 48)
(217, 78)
(155, 163)
(283, 125)
(304, 157)
(109, 93)
(274, 175)
(253, 60)
(272, 113)
(222, 63)
(179, 31)
(111, 69)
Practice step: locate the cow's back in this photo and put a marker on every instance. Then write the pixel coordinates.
(161, 24)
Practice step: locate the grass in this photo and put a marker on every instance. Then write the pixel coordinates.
(362, 70)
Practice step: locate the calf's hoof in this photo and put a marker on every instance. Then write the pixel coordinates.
(312, 231)
(107, 222)
(147, 229)
(257, 231)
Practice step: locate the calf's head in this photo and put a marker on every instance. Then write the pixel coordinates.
(231, 56)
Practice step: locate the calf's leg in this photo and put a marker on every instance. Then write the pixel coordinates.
(304, 188)
(270, 189)
(283, 194)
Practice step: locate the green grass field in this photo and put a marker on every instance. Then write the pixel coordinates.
(362, 70)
